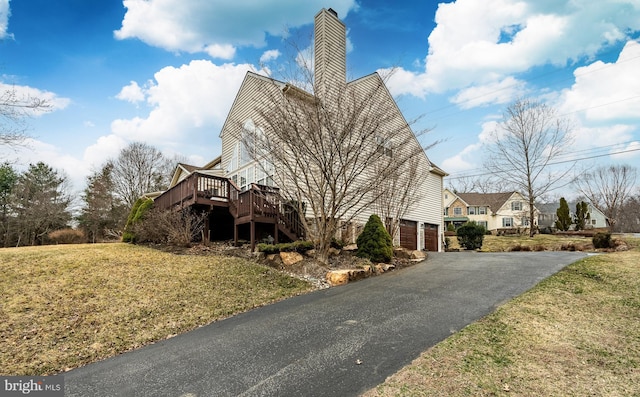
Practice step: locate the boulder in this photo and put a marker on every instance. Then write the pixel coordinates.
(290, 258)
(334, 251)
(417, 255)
(274, 259)
(402, 253)
(337, 277)
(343, 276)
(350, 247)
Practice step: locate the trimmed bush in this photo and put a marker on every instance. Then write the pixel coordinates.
(67, 236)
(374, 243)
(602, 240)
(471, 236)
(139, 209)
(297, 246)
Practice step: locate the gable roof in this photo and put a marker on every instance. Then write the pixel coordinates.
(492, 200)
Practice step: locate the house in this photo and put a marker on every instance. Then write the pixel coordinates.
(497, 212)
(242, 192)
(547, 217)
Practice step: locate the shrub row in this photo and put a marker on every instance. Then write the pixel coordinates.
(296, 246)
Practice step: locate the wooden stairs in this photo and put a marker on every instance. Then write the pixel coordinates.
(257, 206)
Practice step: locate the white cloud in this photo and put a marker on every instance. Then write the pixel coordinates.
(484, 42)
(25, 93)
(185, 100)
(5, 11)
(131, 93)
(499, 92)
(607, 91)
(212, 26)
(35, 151)
(269, 56)
(632, 150)
(105, 148)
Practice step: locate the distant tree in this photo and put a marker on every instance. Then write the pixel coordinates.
(14, 109)
(524, 145)
(630, 222)
(41, 204)
(582, 215)
(103, 214)
(563, 221)
(608, 188)
(139, 169)
(8, 180)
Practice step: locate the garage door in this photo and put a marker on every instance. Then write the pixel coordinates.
(409, 234)
(431, 237)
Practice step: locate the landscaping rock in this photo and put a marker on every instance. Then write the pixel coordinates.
(290, 258)
(334, 252)
(417, 255)
(402, 253)
(350, 247)
(274, 259)
(343, 276)
(338, 277)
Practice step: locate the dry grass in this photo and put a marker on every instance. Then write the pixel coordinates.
(65, 306)
(575, 334)
(539, 242)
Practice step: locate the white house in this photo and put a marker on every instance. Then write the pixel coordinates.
(497, 212)
(240, 189)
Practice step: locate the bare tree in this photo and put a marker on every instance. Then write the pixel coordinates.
(14, 110)
(478, 184)
(630, 222)
(525, 144)
(335, 154)
(608, 188)
(139, 169)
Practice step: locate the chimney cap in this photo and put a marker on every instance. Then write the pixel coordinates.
(331, 10)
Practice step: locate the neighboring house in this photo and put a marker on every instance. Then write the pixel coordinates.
(497, 212)
(240, 193)
(548, 216)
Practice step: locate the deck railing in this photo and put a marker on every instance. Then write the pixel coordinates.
(196, 185)
(258, 201)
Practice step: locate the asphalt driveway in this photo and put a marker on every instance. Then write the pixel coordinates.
(335, 342)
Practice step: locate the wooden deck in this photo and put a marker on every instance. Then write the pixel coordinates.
(258, 205)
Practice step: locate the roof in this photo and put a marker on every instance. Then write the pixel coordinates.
(491, 200)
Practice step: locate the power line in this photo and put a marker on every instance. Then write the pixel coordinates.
(554, 163)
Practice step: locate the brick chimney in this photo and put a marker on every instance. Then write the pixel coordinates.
(330, 50)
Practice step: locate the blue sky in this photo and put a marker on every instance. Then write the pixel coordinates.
(165, 72)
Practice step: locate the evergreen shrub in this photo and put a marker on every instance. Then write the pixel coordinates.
(602, 240)
(374, 243)
(471, 236)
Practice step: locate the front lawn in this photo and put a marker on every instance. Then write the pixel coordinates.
(68, 305)
(576, 333)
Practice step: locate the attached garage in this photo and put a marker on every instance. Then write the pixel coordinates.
(430, 237)
(409, 234)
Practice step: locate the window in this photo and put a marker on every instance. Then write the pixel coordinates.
(507, 222)
(593, 222)
(384, 145)
(457, 211)
(482, 211)
(516, 206)
(483, 224)
(471, 210)
(525, 221)
(446, 211)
